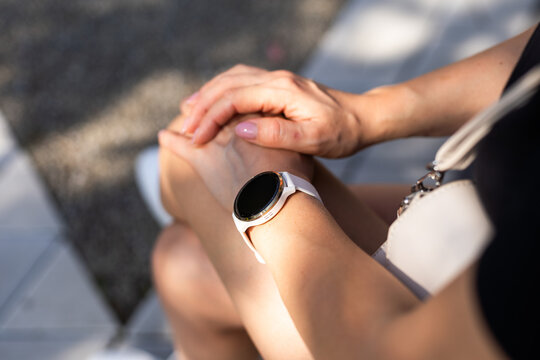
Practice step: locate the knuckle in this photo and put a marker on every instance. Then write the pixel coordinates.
(285, 78)
(239, 67)
(287, 82)
(274, 133)
(228, 94)
(283, 74)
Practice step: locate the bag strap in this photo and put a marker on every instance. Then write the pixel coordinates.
(459, 151)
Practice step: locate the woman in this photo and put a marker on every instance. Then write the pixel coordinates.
(320, 294)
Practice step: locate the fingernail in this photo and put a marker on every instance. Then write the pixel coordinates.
(192, 98)
(194, 136)
(185, 125)
(246, 130)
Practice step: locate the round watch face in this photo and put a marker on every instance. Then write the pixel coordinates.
(258, 195)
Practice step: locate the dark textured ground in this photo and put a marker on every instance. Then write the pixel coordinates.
(86, 85)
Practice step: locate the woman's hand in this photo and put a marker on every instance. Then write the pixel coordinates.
(227, 162)
(297, 113)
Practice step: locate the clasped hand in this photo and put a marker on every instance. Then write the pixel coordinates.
(298, 114)
(227, 162)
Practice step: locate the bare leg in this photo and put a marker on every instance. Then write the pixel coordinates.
(383, 199)
(183, 281)
(199, 309)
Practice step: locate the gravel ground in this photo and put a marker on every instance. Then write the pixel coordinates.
(87, 84)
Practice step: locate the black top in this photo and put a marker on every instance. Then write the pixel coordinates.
(508, 184)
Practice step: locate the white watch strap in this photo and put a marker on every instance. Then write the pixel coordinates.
(292, 183)
(301, 185)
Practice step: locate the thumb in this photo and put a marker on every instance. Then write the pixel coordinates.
(274, 132)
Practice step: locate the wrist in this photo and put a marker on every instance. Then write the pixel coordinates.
(262, 198)
(389, 112)
(275, 237)
(381, 114)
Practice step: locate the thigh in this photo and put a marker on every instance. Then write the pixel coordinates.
(187, 282)
(383, 199)
(202, 316)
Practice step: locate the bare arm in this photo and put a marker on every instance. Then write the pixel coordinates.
(375, 204)
(439, 102)
(345, 305)
(332, 123)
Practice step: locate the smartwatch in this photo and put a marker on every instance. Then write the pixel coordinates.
(261, 198)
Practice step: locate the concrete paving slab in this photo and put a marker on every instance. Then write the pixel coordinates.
(19, 252)
(149, 317)
(124, 353)
(380, 42)
(340, 166)
(470, 26)
(369, 42)
(398, 161)
(62, 297)
(154, 345)
(401, 161)
(25, 202)
(73, 348)
(389, 171)
(148, 329)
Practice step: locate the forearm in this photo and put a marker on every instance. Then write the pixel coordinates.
(439, 102)
(355, 217)
(345, 305)
(316, 268)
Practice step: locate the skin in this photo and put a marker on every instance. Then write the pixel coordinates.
(182, 253)
(282, 295)
(331, 123)
(306, 299)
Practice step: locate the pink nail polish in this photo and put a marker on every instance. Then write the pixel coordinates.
(194, 136)
(246, 130)
(185, 125)
(192, 98)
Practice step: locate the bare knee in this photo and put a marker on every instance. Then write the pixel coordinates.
(186, 280)
(199, 307)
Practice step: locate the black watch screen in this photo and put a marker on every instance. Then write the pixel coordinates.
(257, 195)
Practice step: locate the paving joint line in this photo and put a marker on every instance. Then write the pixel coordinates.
(37, 269)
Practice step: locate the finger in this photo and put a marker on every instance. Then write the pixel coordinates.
(239, 69)
(237, 77)
(187, 104)
(235, 70)
(177, 123)
(175, 142)
(276, 132)
(249, 99)
(213, 91)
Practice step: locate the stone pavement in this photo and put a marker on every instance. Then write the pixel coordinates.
(378, 42)
(49, 306)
